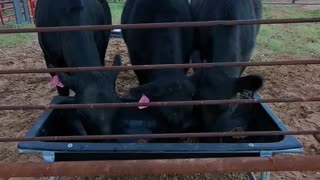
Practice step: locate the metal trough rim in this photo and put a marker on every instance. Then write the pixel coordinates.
(287, 145)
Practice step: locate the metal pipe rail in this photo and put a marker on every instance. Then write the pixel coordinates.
(160, 25)
(158, 104)
(158, 136)
(292, 4)
(157, 67)
(157, 167)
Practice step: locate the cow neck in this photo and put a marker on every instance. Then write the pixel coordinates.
(89, 77)
(168, 74)
(230, 72)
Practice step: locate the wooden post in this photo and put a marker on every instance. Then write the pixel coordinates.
(1, 13)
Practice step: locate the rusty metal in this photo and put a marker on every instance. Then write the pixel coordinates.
(157, 67)
(158, 167)
(157, 136)
(291, 4)
(160, 25)
(158, 104)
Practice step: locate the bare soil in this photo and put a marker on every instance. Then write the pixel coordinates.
(284, 81)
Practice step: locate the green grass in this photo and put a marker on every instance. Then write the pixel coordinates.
(116, 11)
(14, 39)
(9, 40)
(293, 39)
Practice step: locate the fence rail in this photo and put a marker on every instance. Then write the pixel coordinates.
(294, 2)
(157, 167)
(157, 67)
(159, 104)
(160, 25)
(290, 2)
(154, 167)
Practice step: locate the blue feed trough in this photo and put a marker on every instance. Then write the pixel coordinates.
(48, 125)
(265, 119)
(116, 33)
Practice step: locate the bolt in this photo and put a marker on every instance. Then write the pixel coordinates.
(251, 145)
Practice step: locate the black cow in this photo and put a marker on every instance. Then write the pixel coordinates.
(94, 87)
(80, 49)
(161, 46)
(224, 44)
(73, 49)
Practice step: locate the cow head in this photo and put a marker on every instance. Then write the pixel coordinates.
(217, 85)
(94, 87)
(179, 89)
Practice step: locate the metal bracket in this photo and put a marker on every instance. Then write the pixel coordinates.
(247, 94)
(266, 154)
(265, 175)
(48, 156)
(252, 176)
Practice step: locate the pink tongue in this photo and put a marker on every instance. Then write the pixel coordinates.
(144, 99)
(56, 82)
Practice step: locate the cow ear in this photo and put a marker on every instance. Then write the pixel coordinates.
(252, 83)
(67, 81)
(149, 90)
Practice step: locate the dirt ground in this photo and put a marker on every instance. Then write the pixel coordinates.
(284, 81)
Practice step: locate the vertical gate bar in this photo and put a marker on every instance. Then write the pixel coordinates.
(265, 175)
(26, 11)
(48, 157)
(17, 11)
(266, 154)
(251, 176)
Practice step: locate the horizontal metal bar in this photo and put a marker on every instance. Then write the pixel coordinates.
(160, 25)
(157, 136)
(7, 8)
(292, 4)
(9, 15)
(157, 167)
(156, 67)
(158, 104)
